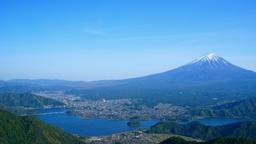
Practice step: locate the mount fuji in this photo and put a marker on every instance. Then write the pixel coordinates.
(206, 68)
(207, 80)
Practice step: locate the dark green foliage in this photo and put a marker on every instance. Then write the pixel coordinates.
(178, 140)
(26, 100)
(231, 141)
(28, 130)
(241, 109)
(197, 130)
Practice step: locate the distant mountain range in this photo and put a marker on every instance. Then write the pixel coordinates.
(207, 80)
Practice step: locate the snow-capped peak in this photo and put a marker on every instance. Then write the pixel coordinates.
(212, 56)
(212, 59)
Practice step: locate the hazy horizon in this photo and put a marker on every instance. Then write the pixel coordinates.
(105, 40)
(108, 79)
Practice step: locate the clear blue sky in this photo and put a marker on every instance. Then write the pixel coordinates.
(113, 39)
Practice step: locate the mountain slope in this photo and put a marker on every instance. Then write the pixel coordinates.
(207, 68)
(197, 130)
(26, 100)
(28, 130)
(245, 109)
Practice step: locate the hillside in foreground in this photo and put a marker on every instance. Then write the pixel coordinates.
(28, 130)
(178, 140)
(197, 130)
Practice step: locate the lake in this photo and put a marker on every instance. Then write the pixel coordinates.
(87, 127)
(100, 127)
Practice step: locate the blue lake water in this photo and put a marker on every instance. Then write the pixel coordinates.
(99, 127)
(88, 127)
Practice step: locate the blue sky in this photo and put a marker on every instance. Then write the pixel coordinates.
(115, 39)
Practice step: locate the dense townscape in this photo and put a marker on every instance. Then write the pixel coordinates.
(116, 108)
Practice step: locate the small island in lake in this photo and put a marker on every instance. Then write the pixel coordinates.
(133, 123)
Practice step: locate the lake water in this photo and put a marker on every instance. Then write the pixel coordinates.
(99, 127)
(87, 127)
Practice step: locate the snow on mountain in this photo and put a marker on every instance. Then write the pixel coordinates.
(211, 59)
(210, 67)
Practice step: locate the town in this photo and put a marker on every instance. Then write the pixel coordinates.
(116, 108)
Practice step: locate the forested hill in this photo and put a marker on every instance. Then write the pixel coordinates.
(26, 100)
(197, 130)
(245, 109)
(28, 130)
(177, 140)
